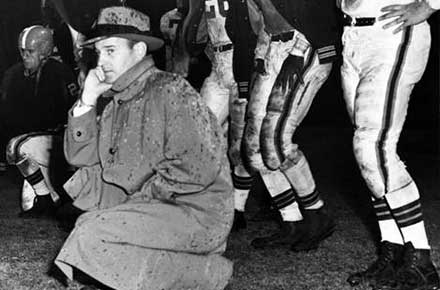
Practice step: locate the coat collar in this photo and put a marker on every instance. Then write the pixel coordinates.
(130, 76)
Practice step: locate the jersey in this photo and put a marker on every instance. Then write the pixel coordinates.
(216, 12)
(37, 102)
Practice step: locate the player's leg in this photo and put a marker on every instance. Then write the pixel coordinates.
(285, 112)
(381, 105)
(401, 193)
(292, 228)
(242, 182)
(241, 178)
(259, 96)
(319, 224)
(364, 100)
(368, 117)
(220, 93)
(31, 153)
(219, 87)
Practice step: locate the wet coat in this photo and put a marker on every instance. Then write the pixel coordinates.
(154, 179)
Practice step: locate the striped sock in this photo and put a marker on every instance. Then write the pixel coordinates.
(409, 218)
(32, 173)
(282, 195)
(242, 185)
(388, 228)
(286, 203)
(311, 201)
(407, 211)
(301, 179)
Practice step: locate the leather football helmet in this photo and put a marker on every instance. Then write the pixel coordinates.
(37, 38)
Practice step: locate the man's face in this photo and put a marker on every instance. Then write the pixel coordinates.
(115, 57)
(31, 59)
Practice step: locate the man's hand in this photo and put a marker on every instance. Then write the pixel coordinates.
(94, 86)
(406, 15)
(259, 66)
(292, 67)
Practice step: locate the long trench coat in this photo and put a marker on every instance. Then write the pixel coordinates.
(154, 180)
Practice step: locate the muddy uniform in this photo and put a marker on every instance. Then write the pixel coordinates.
(219, 88)
(273, 114)
(243, 27)
(378, 73)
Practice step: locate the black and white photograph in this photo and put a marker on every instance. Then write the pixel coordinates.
(220, 145)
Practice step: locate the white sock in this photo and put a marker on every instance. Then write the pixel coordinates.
(33, 174)
(242, 182)
(388, 227)
(240, 198)
(407, 211)
(282, 195)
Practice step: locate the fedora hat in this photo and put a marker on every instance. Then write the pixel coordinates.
(125, 22)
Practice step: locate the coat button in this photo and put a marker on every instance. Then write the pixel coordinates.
(120, 102)
(112, 151)
(78, 133)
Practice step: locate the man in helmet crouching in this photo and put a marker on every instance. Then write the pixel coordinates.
(36, 94)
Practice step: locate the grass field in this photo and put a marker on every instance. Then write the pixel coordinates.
(27, 247)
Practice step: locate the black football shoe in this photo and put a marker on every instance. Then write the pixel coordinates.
(319, 227)
(67, 214)
(288, 234)
(383, 270)
(417, 272)
(239, 221)
(43, 207)
(265, 214)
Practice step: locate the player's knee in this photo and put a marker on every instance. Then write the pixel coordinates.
(13, 152)
(364, 150)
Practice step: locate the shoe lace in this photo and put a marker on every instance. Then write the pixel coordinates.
(384, 259)
(408, 274)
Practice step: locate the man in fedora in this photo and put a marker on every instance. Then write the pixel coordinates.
(153, 175)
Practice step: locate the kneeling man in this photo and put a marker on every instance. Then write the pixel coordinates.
(154, 177)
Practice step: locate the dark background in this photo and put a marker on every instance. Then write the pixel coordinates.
(27, 247)
(328, 109)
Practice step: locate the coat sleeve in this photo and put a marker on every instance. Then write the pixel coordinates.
(194, 148)
(81, 139)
